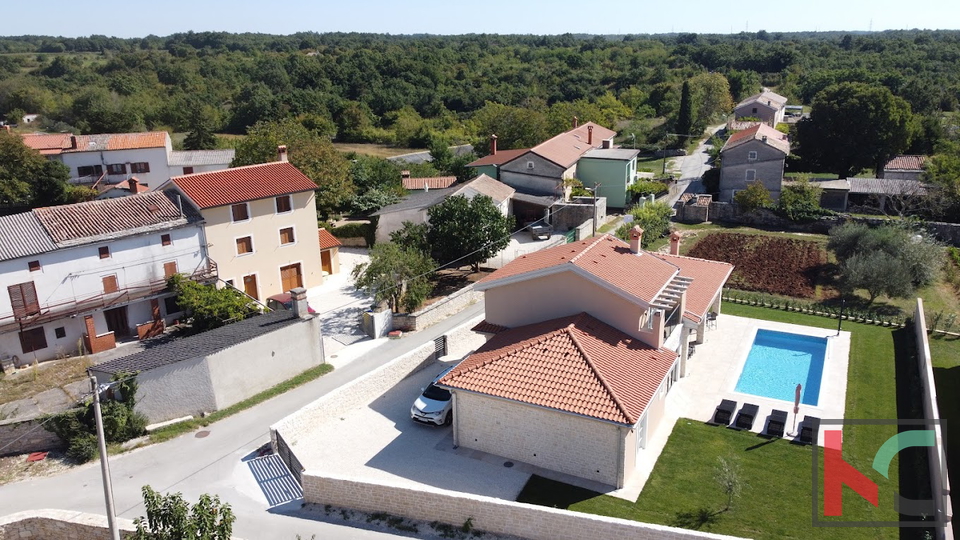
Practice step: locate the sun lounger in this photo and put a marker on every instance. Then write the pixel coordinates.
(778, 420)
(809, 430)
(746, 417)
(724, 413)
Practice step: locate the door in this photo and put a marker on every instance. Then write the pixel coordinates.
(326, 262)
(250, 286)
(290, 277)
(117, 321)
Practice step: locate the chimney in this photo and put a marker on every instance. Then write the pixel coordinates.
(133, 182)
(282, 152)
(590, 135)
(300, 306)
(675, 237)
(73, 142)
(493, 145)
(576, 122)
(764, 138)
(636, 234)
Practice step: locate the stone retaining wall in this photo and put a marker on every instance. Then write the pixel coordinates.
(437, 311)
(487, 513)
(34, 437)
(60, 524)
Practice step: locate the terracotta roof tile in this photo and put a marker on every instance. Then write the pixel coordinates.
(327, 240)
(607, 258)
(437, 182)
(709, 278)
(501, 157)
(574, 364)
(759, 132)
(488, 327)
(566, 148)
(48, 144)
(906, 163)
(485, 185)
(240, 184)
(75, 224)
(119, 141)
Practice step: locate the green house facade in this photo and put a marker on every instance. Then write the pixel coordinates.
(614, 169)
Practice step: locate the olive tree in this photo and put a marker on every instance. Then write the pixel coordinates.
(170, 517)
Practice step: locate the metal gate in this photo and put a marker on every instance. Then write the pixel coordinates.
(289, 458)
(440, 346)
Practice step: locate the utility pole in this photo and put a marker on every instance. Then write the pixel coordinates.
(595, 188)
(104, 464)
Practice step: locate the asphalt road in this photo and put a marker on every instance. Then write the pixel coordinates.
(693, 166)
(213, 463)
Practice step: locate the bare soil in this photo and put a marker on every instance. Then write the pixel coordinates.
(451, 280)
(15, 468)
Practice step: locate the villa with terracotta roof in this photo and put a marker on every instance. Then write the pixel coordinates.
(588, 339)
(111, 158)
(94, 273)
(769, 107)
(754, 154)
(260, 225)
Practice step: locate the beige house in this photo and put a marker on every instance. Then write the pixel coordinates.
(768, 107)
(575, 382)
(329, 252)
(260, 225)
(755, 154)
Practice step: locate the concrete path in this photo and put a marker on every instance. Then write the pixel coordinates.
(690, 168)
(214, 460)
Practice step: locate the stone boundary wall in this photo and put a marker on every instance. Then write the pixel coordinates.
(35, 438)
(60, 524)
(939, 479)
(355, 241)
(487, 513)
(437, 311)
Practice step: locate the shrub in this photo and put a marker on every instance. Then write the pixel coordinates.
(82, 448)
(367, 231)
(800, 201)
(643, 188)
(653, 218)
(754, 197)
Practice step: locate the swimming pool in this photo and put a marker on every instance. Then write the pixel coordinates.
(778, 361)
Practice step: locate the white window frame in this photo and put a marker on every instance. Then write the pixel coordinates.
(750, 175)
(752, 155)
(249, 216)
(277, 198)
(253, 248)
(296, 237)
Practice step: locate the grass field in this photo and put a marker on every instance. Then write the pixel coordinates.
(776, 500)
(375, 150)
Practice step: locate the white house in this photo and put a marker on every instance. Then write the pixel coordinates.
(500, 193)
(87, 275)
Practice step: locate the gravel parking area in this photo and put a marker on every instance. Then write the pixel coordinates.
(379, 442)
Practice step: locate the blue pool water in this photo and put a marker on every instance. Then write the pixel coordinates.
(778, 361)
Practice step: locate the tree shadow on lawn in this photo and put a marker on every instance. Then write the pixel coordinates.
(696, 519)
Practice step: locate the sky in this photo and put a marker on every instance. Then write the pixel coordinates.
(138, 18)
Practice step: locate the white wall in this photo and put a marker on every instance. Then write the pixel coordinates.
(156, 157)
(177, 170)
(393, 221)
(173, 391)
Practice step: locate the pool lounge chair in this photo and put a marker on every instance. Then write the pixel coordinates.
(724, 413)
(778, 420)
(746, 417)
(809, 430)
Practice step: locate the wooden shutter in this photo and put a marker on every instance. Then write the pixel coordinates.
(240, 212)
(286, 235)
(23, 299)
(110, 284)
(244, 245)
(169, 269)
(283, 204)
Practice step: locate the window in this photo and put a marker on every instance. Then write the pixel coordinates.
(33, 340)
(286, 236)
(33, 266)
(110, 284)
(169, 269)
(531, 165)
(752, 155)
(284, 204)
(165, 239)
(140, 168)
(90, 170)
(60, 332)
(117, 168)
(754, 110)
(751, 175)
(240, 212)
(104, 252)
(188, 170)
(229, 282)
(23, 299)
(170, 304)
(244, 245)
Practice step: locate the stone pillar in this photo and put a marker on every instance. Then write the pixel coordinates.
(300, 306)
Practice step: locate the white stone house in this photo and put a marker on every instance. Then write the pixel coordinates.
(84, 276)
(576, 382)
(768, 107)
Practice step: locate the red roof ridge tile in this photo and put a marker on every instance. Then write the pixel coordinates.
(576, 257)
(596, 372)
(689, 257)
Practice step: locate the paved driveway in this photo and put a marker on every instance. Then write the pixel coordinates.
(379, 442)
(340, 304)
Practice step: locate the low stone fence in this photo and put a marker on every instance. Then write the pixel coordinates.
(939, 479)
(486, 513)
(60, 524)
(437, 311)
(22, 436)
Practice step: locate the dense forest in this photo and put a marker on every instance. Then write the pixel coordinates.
(421, 91)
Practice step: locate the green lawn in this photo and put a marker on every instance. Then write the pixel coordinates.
(776, 501)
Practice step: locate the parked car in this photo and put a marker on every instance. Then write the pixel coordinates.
(284, 301)
(434, 406)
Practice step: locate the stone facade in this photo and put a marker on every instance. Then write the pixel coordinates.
(61, 525)
(411, 322)
(33, 439)
(750, 162)
(541, 437)
(487, 513)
